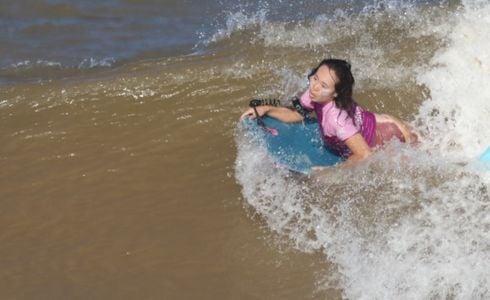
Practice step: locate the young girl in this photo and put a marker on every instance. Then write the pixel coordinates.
(347, 128)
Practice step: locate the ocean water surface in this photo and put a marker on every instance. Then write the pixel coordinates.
(125, 173)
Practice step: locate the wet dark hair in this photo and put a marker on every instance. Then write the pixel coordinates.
(344, 85)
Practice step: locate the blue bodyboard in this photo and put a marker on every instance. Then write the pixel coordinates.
(295, 146)
(299, 146)
(485, 158)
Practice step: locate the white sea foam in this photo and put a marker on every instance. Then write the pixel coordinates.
(373, 40)
(91, 62)
(236, 22)
(86, 63)
(40, 62)
(455, 115)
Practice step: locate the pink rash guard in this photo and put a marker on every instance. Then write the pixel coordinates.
(336, 125)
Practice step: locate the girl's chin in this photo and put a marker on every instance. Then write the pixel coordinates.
(313, 98)
(319, 100)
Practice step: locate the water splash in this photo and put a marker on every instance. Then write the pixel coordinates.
(409, 223)
(457, 76)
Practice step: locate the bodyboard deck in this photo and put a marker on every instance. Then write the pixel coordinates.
(295, 146)
(299, 146)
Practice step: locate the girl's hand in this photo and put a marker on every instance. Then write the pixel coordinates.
(318, 168)
(320, 172)
(250, 113)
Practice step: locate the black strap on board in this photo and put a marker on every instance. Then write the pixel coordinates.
(260, 102)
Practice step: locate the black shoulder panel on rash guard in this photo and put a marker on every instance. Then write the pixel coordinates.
(299, 108)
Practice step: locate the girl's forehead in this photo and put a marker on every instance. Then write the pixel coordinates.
(327, 75)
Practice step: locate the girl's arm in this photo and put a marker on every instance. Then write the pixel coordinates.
(281, 113)
(359, 148)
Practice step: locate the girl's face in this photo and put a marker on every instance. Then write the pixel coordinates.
(322, 85)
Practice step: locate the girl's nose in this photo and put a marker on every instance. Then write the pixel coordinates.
(315, 85)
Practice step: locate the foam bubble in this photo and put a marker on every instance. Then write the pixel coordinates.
(91, 62)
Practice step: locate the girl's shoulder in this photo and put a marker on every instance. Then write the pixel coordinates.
(333, 113)
(337, 122)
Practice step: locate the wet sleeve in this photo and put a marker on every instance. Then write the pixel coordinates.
(346, 129)
(340, 126)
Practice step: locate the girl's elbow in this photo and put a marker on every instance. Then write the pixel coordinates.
(365, 155)
(360, 156)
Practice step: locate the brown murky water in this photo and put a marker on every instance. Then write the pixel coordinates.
(122, 186)
(121, 183)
